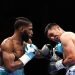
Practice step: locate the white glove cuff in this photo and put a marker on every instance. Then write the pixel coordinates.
(24, 59)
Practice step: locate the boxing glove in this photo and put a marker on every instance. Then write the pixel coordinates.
(59, 50)
(30, 47)
(59, 65)
(47, 50)
(54, 67)
(29, 54)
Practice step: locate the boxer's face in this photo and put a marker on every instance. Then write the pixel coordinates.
(27, 31)
(53, 34)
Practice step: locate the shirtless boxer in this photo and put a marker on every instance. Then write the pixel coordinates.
(13, 53)
(67, 38)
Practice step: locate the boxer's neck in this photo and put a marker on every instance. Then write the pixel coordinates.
(17, 36)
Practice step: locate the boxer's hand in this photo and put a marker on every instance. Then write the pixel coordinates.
(29, 54)
(34, 46)
(59, 50)
(55, 66)
(59, 65)
(47, 49)
(30, 48)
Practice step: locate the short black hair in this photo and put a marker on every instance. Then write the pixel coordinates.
(49, 26)
(21, 21)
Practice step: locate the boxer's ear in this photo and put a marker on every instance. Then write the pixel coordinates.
(21, 28)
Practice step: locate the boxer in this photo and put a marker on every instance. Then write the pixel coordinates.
(56, 33)
(14, 57)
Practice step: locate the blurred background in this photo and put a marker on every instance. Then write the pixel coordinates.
(40, 13)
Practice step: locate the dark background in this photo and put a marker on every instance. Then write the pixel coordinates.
(40, 13)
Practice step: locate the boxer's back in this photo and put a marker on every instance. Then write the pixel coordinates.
(0, 57)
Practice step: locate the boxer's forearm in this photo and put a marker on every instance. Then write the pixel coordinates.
(22, 61)
(15, 65)
(69, 61)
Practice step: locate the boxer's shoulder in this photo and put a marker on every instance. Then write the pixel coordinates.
(6, 40)
(7, 44)
(67, 35)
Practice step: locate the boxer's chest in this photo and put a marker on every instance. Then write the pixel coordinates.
(18, 48)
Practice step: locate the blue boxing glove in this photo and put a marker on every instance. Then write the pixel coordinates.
(31, 48)
(59, 50)
(34, 46)
(29, 54)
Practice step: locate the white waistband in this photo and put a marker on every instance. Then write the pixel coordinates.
(2, 68)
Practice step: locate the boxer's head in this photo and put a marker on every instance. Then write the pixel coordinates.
(24, 27)
(53, 31)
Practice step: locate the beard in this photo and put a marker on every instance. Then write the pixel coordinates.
(25, 37)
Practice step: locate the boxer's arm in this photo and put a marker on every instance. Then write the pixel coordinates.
(45, 52)
(9, 58)
(69, 50)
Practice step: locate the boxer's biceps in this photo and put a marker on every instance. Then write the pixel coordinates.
(69, 47)
(18, 53)
(69, 51)
(8, 59)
